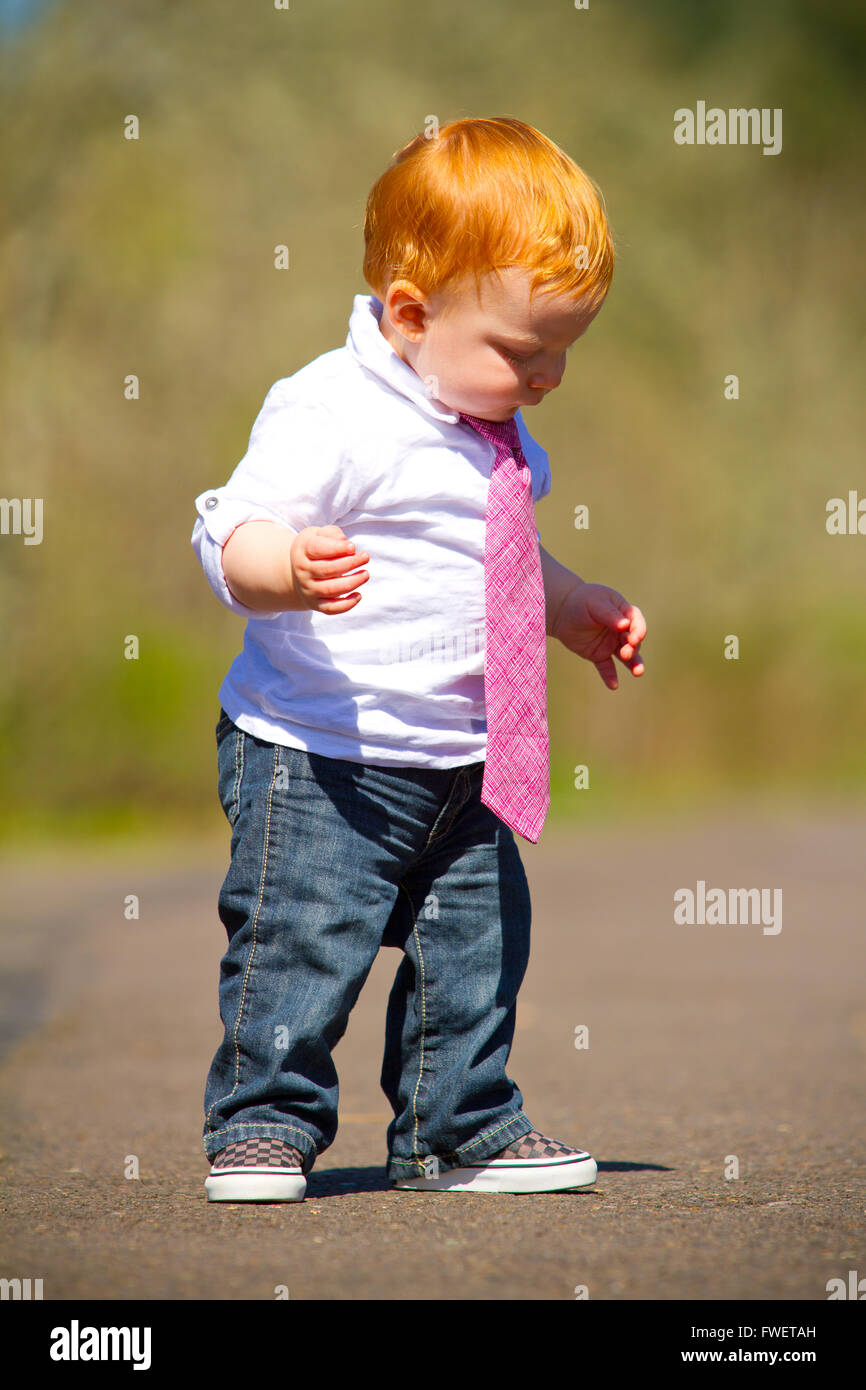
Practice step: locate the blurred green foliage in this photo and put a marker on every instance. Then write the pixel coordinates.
(260, 127)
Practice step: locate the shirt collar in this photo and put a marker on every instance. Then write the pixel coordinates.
(371, 348)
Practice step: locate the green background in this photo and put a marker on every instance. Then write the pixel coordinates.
(261, 127)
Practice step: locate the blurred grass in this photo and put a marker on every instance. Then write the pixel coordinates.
(260, 127)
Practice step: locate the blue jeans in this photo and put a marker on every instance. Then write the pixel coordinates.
(331, 859)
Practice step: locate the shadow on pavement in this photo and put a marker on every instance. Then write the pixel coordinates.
(334, 1182)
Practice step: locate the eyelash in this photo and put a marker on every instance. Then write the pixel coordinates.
(517, 360)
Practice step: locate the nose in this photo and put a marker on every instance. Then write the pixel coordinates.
(548, 380)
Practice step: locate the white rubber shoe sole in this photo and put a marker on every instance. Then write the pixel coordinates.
(578, 1169)
(247, 1184)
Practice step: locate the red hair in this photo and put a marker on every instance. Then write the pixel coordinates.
(480, 195)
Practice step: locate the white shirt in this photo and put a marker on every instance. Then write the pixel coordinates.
(354, 440)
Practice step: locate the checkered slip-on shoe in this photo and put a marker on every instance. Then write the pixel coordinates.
(531, 1164)
(256, 1170)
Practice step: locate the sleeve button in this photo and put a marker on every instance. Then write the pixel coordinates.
(212, 502)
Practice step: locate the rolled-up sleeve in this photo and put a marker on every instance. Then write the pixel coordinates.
(219, 514)
(292, 474)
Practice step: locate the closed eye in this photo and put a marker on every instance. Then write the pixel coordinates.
(512, 356)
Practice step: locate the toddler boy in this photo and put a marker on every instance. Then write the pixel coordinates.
(382, 735)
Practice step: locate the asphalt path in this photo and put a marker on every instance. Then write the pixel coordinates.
(721, 1091)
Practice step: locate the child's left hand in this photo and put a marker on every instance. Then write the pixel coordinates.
(597, 623)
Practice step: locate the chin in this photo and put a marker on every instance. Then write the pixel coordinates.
(494, 413)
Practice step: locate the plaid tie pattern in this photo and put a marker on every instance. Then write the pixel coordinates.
(516, 783)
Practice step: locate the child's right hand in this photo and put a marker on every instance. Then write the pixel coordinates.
(322, 560)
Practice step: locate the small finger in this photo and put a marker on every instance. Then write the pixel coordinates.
(635, 622)
(607, 671)
(328, 569)
(339, 605)
(339, 588)
(318, 546)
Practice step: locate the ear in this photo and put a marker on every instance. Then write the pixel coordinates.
(407, 309)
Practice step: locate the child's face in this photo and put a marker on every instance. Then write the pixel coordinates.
(486, 359)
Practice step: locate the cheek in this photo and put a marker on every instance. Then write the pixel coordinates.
(455, 365)
(489, 368)
(503, 372)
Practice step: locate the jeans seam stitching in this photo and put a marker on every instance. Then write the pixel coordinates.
(239, 769)
(423, 1018)
(254, 942)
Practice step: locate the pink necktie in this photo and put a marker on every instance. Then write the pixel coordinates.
(516, 783)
